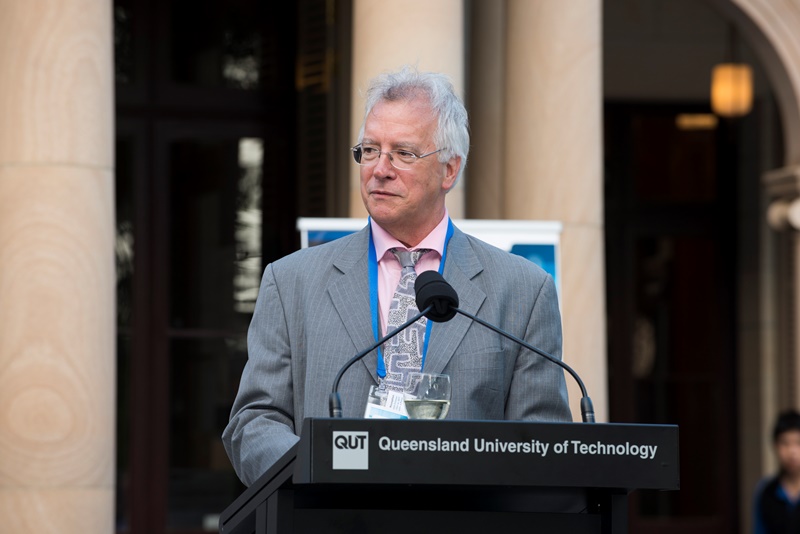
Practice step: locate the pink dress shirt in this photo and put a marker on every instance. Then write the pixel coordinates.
(389, 268)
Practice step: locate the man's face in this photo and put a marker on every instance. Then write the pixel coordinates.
(787, 447)
(406, 203)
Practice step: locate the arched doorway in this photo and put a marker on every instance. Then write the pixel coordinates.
(689, 278)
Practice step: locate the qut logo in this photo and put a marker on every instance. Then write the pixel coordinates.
(351, 450)
(350, 440)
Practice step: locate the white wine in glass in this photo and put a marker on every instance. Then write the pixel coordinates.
(427, 396)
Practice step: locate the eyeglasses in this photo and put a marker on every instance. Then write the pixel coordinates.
(402, 160)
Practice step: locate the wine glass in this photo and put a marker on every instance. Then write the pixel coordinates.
(427, 395)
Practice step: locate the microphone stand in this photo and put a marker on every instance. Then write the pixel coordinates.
(335, 401)
(587, 409)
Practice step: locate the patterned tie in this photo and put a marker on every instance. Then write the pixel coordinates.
(403, 353)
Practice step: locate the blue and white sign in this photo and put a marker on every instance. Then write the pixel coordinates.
(537, 241)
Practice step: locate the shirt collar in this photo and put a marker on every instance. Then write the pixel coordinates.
(383, 240)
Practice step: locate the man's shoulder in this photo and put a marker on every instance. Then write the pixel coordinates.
(351, 245)
(769, 480)
(766, 486)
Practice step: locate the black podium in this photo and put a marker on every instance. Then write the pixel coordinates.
(390, 476)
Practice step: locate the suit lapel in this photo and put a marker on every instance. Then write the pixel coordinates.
(461, 267)
(350, 296)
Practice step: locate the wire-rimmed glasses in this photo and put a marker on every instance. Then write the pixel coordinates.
(402, 160)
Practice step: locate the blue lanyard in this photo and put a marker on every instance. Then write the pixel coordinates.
(373, 297)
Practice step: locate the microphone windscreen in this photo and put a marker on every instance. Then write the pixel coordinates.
(433, 290)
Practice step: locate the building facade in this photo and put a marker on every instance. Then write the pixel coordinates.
(185, 138)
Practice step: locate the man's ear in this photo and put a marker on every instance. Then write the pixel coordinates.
(451, 172)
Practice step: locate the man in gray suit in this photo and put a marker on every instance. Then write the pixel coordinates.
(320, 306)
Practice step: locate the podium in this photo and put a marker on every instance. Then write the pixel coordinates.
(398, 476)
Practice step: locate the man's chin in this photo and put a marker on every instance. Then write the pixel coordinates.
(381, 208)
(384, 221)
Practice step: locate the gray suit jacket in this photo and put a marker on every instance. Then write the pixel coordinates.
(313, 314)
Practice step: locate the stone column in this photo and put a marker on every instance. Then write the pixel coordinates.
(553, 162)
(57, 284)
(388, 35)
(485, 190)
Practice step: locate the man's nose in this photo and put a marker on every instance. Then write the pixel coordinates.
(384, 167)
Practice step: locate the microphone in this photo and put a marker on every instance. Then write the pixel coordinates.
(435, 293)
(440, 301)
(334, 401)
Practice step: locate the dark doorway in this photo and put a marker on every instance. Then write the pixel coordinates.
(671, 237)
(216, 104)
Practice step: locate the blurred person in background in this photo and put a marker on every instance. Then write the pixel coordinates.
(776, 509)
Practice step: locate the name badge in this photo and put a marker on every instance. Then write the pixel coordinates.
(385, 404)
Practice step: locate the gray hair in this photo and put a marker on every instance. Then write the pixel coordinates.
(452, 130)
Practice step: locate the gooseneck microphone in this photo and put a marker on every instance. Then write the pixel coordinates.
(441, 300)
(334, 401)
